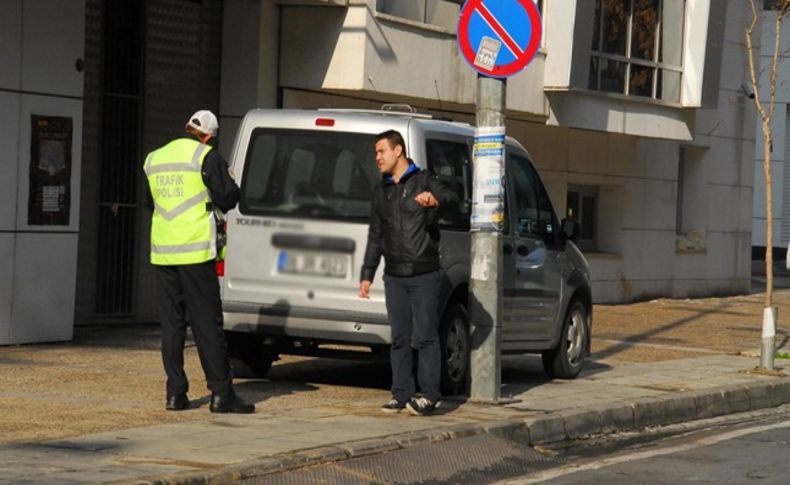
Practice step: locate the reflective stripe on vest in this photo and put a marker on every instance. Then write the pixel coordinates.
(183, 231)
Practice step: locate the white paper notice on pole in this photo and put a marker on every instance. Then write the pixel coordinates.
(488, 195)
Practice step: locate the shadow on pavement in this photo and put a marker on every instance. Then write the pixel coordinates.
(334, 372)
(520, 373)
(651, 334)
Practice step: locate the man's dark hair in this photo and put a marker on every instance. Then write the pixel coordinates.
(394, 138)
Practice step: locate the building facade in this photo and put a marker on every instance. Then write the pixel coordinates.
(632, 111)
(780, 153)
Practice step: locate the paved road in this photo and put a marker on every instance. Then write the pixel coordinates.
(731, 452)
(736, 449)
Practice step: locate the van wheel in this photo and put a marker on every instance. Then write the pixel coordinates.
(454, 341)
(249, 357)
(567, 359)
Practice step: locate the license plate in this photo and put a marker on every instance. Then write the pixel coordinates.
(313, 264)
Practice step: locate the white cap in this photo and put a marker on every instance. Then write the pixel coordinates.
(205, 122)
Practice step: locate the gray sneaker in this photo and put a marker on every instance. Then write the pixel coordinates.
(393, 406)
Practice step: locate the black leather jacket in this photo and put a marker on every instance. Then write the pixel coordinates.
(404, 232)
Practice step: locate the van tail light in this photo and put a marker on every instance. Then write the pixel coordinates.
(222, 243)
(324, 122)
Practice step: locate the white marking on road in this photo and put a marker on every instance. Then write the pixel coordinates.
(615, 460)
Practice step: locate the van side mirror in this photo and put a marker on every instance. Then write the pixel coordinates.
(570, 230)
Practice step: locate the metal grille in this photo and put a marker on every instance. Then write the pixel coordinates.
(119, 161)
(478, 459)
(161, 62)
(182, 64)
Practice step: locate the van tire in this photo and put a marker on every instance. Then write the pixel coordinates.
(249, 357)
(454, 342)
(567, 359)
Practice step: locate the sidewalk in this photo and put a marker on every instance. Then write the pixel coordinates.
(613, 394)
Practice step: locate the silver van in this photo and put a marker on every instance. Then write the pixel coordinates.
(295, 246)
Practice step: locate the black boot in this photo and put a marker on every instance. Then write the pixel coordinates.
(177, 402)
(230, 404)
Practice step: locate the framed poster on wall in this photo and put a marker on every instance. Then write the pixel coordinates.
(49, 197)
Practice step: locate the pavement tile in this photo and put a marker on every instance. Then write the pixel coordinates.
(681, 408)
(582, 422)
(616, 417)
(546, 429)
(649, 412)
(736, 398)
(709, 404)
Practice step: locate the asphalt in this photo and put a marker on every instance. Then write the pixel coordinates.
(604, 399)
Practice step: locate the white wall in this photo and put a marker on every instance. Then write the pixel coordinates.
(723, 147)
(636, 180)
(779, 157)
(250, 63)
(40, 43)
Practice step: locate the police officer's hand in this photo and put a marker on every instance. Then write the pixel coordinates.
(364, 289)
(426, 199)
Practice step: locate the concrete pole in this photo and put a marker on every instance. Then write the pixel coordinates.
(485, 288)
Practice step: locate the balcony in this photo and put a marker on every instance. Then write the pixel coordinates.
(361, 52)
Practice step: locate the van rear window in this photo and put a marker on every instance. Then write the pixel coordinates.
(309, 174)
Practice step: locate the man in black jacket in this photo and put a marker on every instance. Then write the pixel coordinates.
(403, 228)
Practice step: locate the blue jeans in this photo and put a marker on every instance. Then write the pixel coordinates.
(413, 303)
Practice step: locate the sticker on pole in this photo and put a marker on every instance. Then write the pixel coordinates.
(499, 37)
(488, 192)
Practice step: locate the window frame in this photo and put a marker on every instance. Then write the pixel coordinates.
(590, 191)
(434, 137)
(244, 207)
(552, 241)
(658, 67)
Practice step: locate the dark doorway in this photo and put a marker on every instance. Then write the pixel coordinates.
(149, 64)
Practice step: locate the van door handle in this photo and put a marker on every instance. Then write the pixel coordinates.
(522, 251)
(507, 249)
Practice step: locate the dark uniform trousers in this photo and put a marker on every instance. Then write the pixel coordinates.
(193, 290)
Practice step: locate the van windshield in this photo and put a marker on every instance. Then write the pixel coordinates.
(309, 174)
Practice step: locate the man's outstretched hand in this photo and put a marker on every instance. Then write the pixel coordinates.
(364, 289)
(426, 199)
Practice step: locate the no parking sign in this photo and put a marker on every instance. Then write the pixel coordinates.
(499, 37)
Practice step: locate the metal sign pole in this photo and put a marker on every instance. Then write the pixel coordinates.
(498, 39)
(485, 295)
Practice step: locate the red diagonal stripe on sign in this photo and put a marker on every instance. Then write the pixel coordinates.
(499, 29)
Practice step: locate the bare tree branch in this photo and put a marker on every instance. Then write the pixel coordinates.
(766, 115)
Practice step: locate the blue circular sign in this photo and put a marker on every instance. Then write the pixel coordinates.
(499, 37)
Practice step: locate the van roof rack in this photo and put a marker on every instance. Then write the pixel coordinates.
(392, 109)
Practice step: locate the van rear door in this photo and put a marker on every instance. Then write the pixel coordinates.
(298, 237)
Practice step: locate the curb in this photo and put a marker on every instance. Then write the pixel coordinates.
(550, 428)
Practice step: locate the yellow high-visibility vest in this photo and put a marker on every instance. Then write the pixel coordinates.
(183, 230)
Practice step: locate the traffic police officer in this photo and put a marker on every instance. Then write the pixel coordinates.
(188, 180)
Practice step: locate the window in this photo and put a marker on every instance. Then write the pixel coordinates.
(443, 13)
(534, 214)
(680, 189)
(450, 162)
(309, 174)
(637, 48)
(582, 207)
(773, 4)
